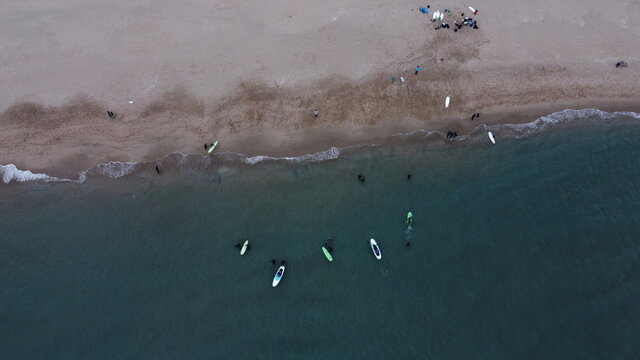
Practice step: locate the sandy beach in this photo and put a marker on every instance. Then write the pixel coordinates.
(181, 74)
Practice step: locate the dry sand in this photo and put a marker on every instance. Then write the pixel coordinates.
(250, 73)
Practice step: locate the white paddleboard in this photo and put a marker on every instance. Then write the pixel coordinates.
(244, 247)
(441, 16)
(491, 138)
(376, 250)
(435, 15)
(278, 276)
(472, 9)
(446, 102)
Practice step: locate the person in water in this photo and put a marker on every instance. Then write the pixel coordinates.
(273, 261)
(283, 262)
(408, 177)
(236, 244)
(157, 169)
(329, 248)
(408, 243)
(361, 178)
(206, 146)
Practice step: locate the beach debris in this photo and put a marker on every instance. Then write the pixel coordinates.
(446, 102)
(493, 140)
(111, 114)
(621, 64)
(393, 79)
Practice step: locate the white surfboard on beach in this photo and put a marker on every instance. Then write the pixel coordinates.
(491, 138)
(435, 15)
(441, 16)
(446, 102)
(472, 9)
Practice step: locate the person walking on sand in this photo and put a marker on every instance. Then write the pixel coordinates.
(418, 69)
(316, 112)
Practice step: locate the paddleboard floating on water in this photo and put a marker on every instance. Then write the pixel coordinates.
(446, 102)
(278, 276)
(245, 246)
(213, 146)
(491, 138)
(327, 254)
(375, 249)
(409, 218)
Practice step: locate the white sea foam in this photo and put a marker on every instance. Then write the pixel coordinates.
(329, 154)
(113, 169)
(11, 173)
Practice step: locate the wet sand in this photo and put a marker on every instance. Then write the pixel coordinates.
(251, 74)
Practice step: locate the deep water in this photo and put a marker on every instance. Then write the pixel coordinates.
(528, 249)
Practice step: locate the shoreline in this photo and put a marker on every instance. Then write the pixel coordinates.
(322, 147)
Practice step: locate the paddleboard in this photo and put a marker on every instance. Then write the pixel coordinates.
(327, 253)
(441, 16)
(446, 102)
(409, 218)
(213, 147)
(435, 15)
(472, 9)
(278, 276)
(491, 138)
(375, 249)
(245, 246)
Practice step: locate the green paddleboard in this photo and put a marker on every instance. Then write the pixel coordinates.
(245, 246)
(327, 253)
(213, 146)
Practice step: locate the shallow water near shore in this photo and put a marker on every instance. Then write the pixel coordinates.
(526, 249)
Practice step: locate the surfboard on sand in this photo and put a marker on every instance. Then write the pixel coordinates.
(446, 102)
(472, 9)
(491, 138)
(213, 146)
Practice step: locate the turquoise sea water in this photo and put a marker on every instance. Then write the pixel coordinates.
(526, 249)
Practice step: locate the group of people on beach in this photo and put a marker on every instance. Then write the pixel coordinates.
(464, 21)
